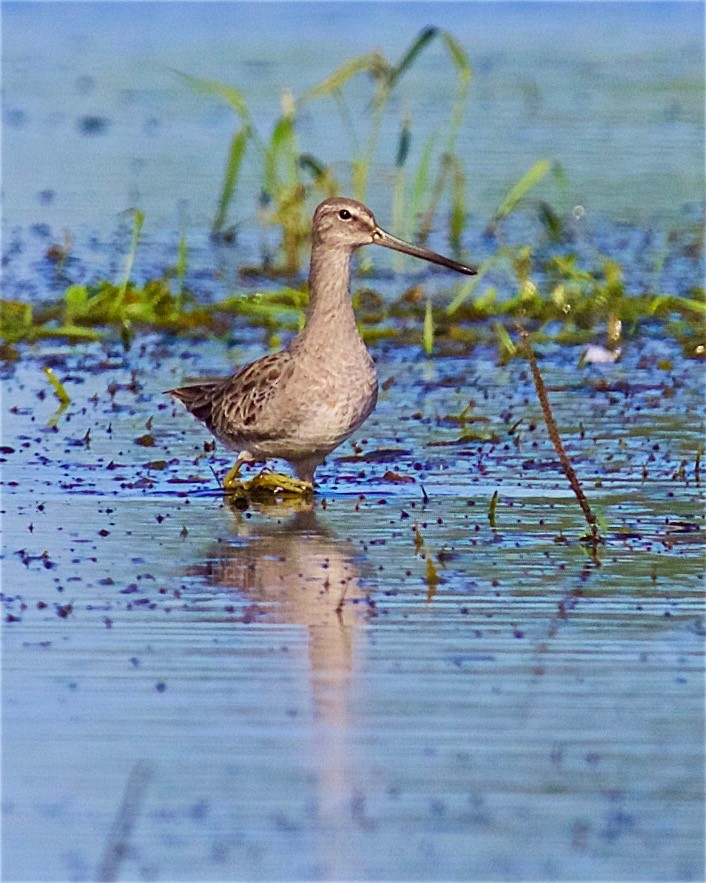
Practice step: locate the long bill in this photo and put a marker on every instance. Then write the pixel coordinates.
(380, 237)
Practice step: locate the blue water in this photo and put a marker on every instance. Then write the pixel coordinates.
(611, 90)
(194, 692)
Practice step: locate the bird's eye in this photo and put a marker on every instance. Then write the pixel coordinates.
(345, 215)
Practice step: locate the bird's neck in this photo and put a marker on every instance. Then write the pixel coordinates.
(330, 314)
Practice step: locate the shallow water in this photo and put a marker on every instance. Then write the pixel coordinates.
(192, 691)
(278, 694)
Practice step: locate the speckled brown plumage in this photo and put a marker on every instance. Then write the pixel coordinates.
(301, 403)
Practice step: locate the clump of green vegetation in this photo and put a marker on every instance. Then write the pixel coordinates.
(579, 299)
(562, 302)
(86, 312)
(20, 322)
(555, 293)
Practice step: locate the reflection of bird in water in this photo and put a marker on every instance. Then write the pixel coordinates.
(303, 575)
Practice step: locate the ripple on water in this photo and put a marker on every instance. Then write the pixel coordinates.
(297, 697)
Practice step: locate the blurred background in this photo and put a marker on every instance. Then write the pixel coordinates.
(95, 120)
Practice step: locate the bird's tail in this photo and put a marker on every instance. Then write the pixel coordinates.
(197, 398)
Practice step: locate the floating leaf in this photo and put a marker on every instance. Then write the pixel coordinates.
(397, 478)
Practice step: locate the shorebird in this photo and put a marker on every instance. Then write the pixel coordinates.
(302, 402)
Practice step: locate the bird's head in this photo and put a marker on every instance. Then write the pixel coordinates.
(345, 223)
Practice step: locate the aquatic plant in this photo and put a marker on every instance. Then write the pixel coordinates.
(290, 177)
(568, 303)
(57, 386)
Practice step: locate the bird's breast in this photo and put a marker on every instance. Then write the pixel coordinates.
(341, 393)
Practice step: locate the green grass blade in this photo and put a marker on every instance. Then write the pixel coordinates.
(281, 148)
(72, 333)
(467, 288)
(551, 221)
(428, 339)
(321, 174)
(458, 56)
(676, 303)
(182, 257)
(403, 142)
(530, 179)
(420, 185)
(507, 349)
(181, 266)
(57, 385)
(457, 221)
(215, 89)
(359, 179)
(138, 221)
(560, 177)
(230, 179)
(464, 74)
(399, 213)
(408, 59)
(361, 64)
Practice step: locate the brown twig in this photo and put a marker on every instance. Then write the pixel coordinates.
(553, 431)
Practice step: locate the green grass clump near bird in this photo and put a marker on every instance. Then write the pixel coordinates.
(557, 297)
(556, 294)
(574, 306)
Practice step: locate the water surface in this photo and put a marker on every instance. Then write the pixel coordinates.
(192, 691)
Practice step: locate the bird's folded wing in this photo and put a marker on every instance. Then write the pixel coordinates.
(240, 406)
